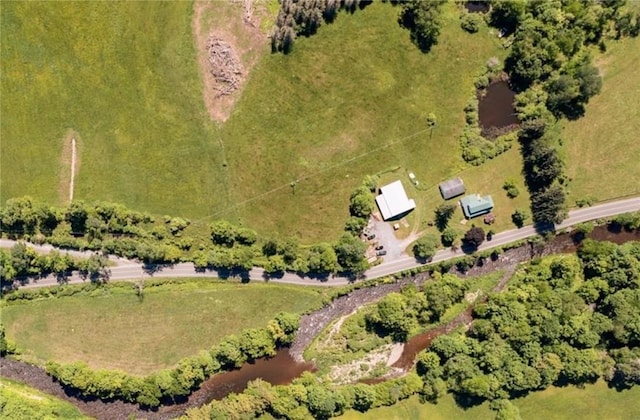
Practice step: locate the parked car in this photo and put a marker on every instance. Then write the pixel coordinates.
(371, 236)
(381, 253)
(379, 247)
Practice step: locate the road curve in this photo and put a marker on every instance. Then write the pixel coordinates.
(133, 271)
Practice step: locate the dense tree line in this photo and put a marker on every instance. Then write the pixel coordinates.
(304, 17)
(563, 320)
(543, 167)
(401, 314)
(23, 261)
(550, 65)
(422, 19)
(113, 229)
(567, 321)
(308, 396)
(190, 372)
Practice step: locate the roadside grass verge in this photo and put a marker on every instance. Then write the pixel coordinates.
(124, 76)
(591, 402)
(19, 401)
(142, 335)
(352, 100)
(601, 148)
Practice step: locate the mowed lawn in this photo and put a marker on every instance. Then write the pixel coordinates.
(24, 402)
(140, 337)
(603, 147)
(593, 402)
(349, 101)
(124, 77)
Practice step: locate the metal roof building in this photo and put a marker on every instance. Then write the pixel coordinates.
(393, 201)
(474, 205)
(451, 188)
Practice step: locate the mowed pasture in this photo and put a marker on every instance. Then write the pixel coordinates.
(602, 149)
(142, 336)
(124, 77)
(592, 402)
(349, 101)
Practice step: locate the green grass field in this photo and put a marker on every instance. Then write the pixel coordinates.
(124, 77)
(21, 402)
(602, 148)
(171, 322)
(593, 402)
(349, 101)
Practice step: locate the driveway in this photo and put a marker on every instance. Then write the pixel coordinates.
(385, 236)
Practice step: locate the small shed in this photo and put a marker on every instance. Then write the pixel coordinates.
(452, 188)
(475, 205)
(393, 201)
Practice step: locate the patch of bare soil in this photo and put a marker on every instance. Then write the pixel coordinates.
(69, 165)
(381, 359)
(233, 28)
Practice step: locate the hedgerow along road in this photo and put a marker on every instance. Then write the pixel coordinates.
(134, 271)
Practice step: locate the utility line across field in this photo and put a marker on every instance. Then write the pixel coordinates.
(313, 174)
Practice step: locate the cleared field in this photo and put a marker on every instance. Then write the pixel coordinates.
(124, 77)
(141, 336)
(602, 148)
(591, 402)
(20, 401)
(351, 100)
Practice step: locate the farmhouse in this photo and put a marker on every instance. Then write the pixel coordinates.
(451, 188)
(474, 205)
(393, 201)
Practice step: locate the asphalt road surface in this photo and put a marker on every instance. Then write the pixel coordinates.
(133, 271)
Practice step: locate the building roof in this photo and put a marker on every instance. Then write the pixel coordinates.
(474, 205)
(393, 200)
(451, 188)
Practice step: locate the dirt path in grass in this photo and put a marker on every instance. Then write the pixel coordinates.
(69, 166)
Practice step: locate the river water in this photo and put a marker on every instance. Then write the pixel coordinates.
(283, 368)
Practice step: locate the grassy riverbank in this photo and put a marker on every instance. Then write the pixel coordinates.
(19, 401)
(593, 402)
(141, 336)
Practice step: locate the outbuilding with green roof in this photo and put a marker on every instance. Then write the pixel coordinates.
(474, 205)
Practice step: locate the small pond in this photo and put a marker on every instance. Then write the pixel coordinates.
(476, 6)
(496, 113)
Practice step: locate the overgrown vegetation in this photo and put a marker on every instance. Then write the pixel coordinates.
(304, 17)
(23, 261)
(543, 332)
(18, 401)
(563, 320)
(142, 333)
(549, 62)
(480, 145)
(113, 229)
(189, 373)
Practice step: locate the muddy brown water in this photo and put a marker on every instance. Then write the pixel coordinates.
(476, 6)
(283, 368)
(495, 108)
(563, 243)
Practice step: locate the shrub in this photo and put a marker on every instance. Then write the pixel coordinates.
(510, 187)
(471, 22)
(519, 217)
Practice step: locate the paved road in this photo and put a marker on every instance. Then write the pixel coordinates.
(128, 270)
